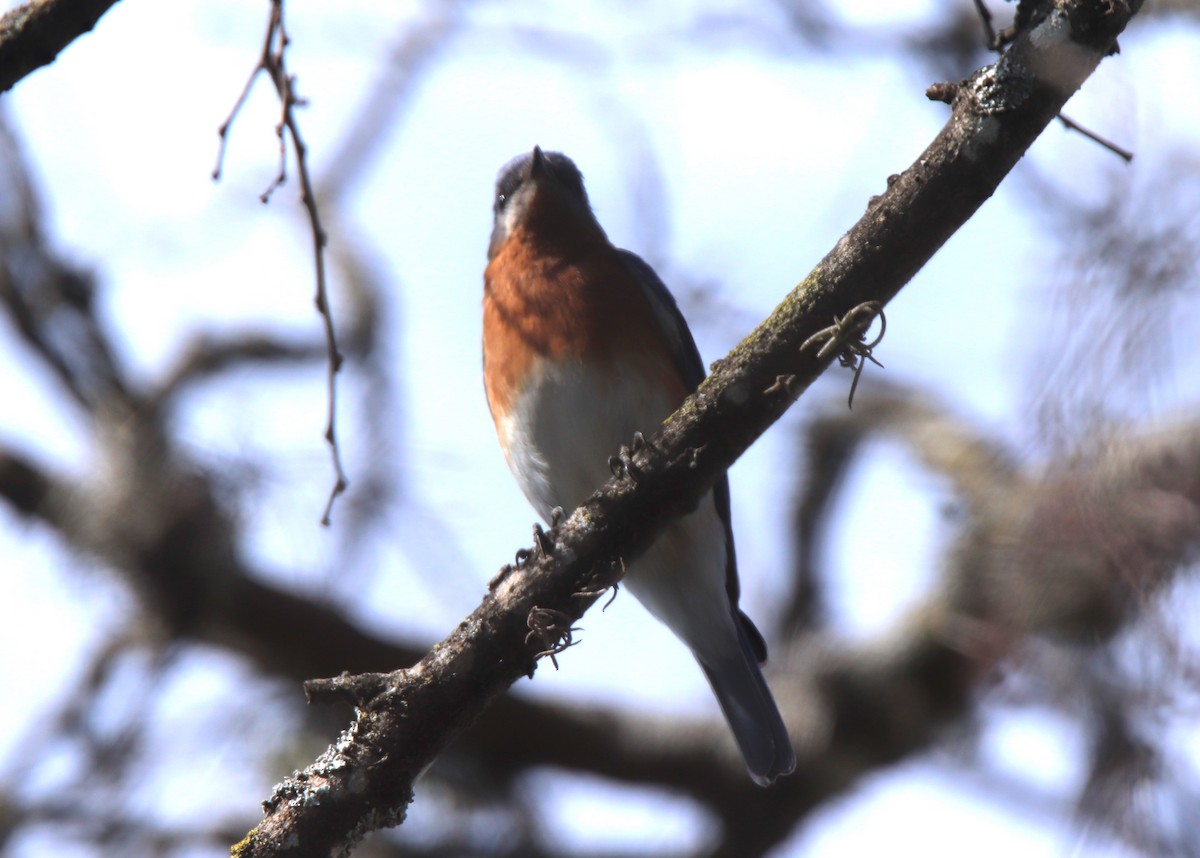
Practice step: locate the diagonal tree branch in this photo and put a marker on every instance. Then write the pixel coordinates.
(365, 780)
(33, 34)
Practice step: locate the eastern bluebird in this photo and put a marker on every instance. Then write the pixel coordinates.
(583, 346)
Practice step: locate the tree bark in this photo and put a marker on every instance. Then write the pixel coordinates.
(34, 34)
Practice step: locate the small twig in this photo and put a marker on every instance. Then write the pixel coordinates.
(1071, 124)
(847, 338)
(943, 92)
(273, 61)
(355, 689)
(223, 131)
(985, 18)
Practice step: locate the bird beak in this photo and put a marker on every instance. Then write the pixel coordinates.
(537, 166)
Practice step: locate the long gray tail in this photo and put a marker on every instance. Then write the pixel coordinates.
(750, 709)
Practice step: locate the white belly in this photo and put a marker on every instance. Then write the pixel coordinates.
(564, 425)
(558, 437)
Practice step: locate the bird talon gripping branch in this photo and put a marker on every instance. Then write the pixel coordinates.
(542, 543)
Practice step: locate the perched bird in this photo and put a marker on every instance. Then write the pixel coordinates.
(583, 346)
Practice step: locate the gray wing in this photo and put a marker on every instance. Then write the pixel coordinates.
(691, 368)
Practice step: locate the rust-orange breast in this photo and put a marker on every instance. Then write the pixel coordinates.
(565, 298)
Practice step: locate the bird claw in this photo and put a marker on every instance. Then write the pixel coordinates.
(621, 465)
(542, 542)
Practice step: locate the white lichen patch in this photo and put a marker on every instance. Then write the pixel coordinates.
(1057, 60)
(985, 132)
